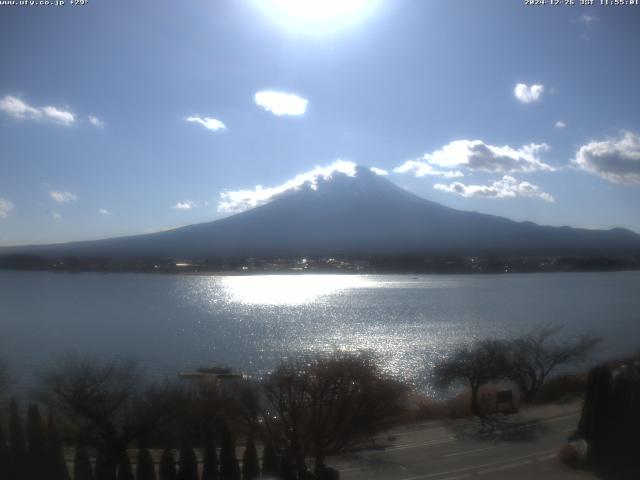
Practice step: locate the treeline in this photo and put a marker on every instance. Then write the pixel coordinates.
(401, 263)
(36, 453)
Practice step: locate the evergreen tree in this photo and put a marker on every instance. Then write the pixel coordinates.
(210, 467)
(17, 446)
(168, 466)
(37, 451)
(229, 469)
(188, 463)
(56, 465)
(287, 472)
(144, 468)
(124, 468)
(4, 455)
(250, 466)
(82, 464)
(270, 464)
(103, 470)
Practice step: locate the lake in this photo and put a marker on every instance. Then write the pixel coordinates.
(175, 323)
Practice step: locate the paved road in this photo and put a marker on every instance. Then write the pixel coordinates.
(523, 446)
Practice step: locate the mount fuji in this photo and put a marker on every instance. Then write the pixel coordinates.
(352, 213)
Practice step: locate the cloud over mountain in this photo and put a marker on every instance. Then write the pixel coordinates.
(238, 200)
(185, 205)
(476, 155)
(420, 168)
(507, 187)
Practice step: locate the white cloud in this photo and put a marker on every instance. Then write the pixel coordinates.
(379, 171)
(20, 110)
(56, 216)
(421, 168)
(104, 211)
(280, 103)
(560, 124)
(528, 94)
(95, 121)
(239, 200)
(186, 205)
(507, 187)
(615, 160)
(475, 155)
(207, 122)
(5, 207)
(63, 197)
(60, 116)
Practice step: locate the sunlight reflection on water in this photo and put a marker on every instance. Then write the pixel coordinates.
(177, 322)
(288, 289)
(275, 316)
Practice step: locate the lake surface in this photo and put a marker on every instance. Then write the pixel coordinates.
(175, 323)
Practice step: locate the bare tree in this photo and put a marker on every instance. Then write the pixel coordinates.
(108, 403)
(322, 406)
(534, 356)
(476, 364)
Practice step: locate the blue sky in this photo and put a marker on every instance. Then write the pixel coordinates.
(116, 113)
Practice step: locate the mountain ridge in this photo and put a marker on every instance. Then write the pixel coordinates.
(356, 212)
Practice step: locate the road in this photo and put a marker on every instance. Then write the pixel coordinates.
(522, 446)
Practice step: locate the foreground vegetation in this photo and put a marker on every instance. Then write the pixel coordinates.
(303, 412)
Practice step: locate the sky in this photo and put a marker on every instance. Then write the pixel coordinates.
(121, 117)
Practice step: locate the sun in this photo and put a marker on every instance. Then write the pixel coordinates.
(317, 16)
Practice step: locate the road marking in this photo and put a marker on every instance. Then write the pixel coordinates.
(547, 457)
(430, 443)
(504, 467)
(469, 451)
(476, 467)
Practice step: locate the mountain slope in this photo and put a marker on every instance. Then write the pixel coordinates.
(360, 214)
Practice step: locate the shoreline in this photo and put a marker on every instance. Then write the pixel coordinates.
(236, 273)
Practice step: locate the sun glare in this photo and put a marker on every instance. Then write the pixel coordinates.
(287, 289)
(317, 16)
